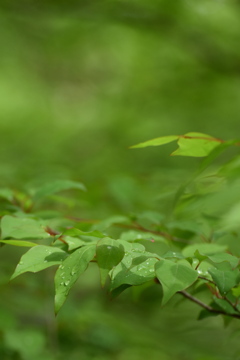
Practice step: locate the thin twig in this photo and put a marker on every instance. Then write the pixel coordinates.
(205, 306)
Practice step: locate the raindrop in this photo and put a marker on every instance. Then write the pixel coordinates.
(66, 283)
(109, 247)
(45, 261)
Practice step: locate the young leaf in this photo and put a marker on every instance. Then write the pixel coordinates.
(22, 228)
(196, 145)
(174, 277)
(156, 142)
(109, 254)
(225, 280)
(69, 271)
(56, 186)
(39, 258)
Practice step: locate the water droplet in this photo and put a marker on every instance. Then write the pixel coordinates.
(45, 261)
(66, 283)
(73, 272)
(109, 247)
(62, 283)
(21, 263)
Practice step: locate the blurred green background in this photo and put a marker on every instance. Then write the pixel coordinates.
(81, 81)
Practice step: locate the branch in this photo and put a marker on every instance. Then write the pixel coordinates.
(205, 306)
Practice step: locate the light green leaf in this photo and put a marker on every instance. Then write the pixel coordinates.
(236, 291)
(6, 194)
(196, 145)
(225, 280)
(56, 186)
(204, 249)
(69, 271)
(18, 243)
(109, 254)
(174, 277)
(22, 228)
(39, 258)
(156, 142)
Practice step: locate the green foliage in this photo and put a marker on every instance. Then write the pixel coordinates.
(200, 256)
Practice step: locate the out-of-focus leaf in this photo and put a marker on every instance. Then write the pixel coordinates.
(69, 271)
(196, 145)
(22, 228)
(204, 249)
(18, 243)
(6, 194)
(174, 277)
(236, 291)
(56, 186)
(78, 232)
(118, 219)
(39, 258)
(224, 305)
(225, 280)
(109, 254)
(156, 142)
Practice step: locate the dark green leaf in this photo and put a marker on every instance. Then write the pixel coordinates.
(225, 280)
(109, 254)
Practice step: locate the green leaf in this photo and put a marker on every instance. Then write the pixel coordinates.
(117, 219)
(74, 243)
(69, 271)
(225, 280)
(204, 249)
(39, 258)
(236, 291)
(156, 142)
(220, 257)
(141, 271)
(224, 305)
(22, 228)
(18, 243)
(78, 232)
(109, 254)
(7, 194)
(56, 186)
(196, 145)
(174, 277)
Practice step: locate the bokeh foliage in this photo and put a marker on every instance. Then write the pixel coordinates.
(81, 82)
